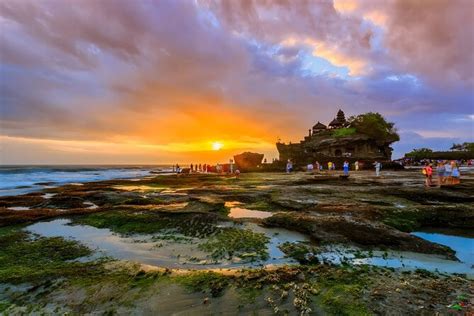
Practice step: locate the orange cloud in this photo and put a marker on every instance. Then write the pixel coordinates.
(332, 53)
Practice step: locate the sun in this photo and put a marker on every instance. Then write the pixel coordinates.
(217, 146)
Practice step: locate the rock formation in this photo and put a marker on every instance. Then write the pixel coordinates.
(340, 141)
(248, 160)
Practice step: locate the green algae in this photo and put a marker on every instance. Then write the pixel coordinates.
(341, 299)
(127, 223)
(27, 258)
(303, 253)
(206, 282)
(234, 242)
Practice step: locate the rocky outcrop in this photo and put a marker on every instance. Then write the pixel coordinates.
(248, 160)
(345, 229)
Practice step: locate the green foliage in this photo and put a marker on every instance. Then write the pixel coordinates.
(375, 126)
(463, 147)
(237, 242)
(426, 153)
(343, 132)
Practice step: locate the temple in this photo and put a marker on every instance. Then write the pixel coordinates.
(336, 141)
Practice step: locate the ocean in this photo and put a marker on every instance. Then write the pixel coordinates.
(15, 180)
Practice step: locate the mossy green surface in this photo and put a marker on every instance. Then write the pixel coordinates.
(343, 132)
(301, 252)
(26, 258)
(207, 281)
(127, 223)
(237, 242)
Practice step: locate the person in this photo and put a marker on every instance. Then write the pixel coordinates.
(178, 169)
(329, 165)
(356, 165)
(317, 166)
(191, 168)
(200, 168)
(440, 172)
(237, 173)
(428, 172)
(377, 165)
(310, 167)
(289, 166)
(333, 166)
(448, 169)
(346, 168)
(456, 175)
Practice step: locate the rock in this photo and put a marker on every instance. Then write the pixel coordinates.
(248, 161)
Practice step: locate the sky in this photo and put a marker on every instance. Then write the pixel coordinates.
(124, 82)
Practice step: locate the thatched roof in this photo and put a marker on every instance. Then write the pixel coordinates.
(319, 125)
(335, 122)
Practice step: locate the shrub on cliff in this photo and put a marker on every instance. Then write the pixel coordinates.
(343, 132)
(375, 126)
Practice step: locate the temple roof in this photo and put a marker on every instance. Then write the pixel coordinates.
(335, 122)
(319, 125)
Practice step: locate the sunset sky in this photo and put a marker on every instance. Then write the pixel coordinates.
(138, 81)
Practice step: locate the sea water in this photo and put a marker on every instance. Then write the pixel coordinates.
(15, 180)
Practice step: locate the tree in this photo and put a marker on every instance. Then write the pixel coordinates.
(456, 147)
(468, 146)
(375, 126)
(463, 147)
(420, 153)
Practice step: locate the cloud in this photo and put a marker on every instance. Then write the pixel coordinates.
(155, 73)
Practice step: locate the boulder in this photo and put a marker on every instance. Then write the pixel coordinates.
(248, 160)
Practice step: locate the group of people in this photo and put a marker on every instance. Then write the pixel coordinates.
(332, 166)
(447, 173)
(192, 168)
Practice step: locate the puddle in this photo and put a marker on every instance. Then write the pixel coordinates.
(277, 237)
(91, 205)
(19, 208)
(169, 251)
(48, 195)
(178, 251)
(239, 212)
(398, 205)
(464, 247)
(140, 188)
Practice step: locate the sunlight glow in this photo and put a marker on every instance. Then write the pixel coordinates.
(217, 146)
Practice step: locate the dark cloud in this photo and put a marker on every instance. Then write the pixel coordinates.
(434, 39)
(160, 71)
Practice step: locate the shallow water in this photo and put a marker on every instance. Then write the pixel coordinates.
(47, 196)
(24, 179)
(91, 206)
(19, 208)
(463, 246)
(176, 254)
(170, 254)
(240, 212)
